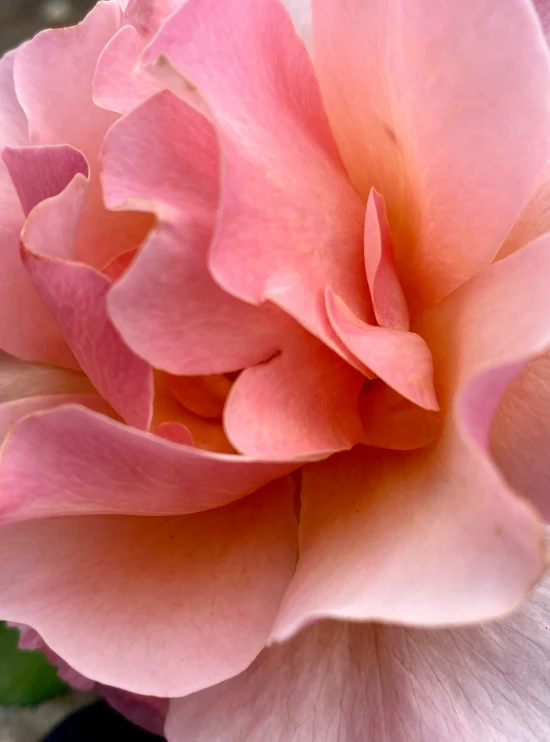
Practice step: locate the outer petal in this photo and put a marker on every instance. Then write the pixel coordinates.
(75, 293)
(60, 64)
(448, 116)
(520, 434)
(156, 606)
(434, 536)
(43, 471)
(170, 311)
(289, 221)
(14, 130)
(352, 683)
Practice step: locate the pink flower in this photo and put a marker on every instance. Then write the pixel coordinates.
(288, 455)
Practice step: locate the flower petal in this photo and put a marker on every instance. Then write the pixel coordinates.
(346, 682)
(433, 536)
(282, 176)
(401, 359)
(43, 471)
(19, 379)
(189, 599)
(14, 130)
(448, 116)
(75, 293)
(520, 434)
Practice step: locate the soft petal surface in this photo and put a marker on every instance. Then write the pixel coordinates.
(452, 124)
(61, 64)
(19, 379)
(75, 293)
(520, 434)
(401, 359)
(388, 301)
(43, 471)
(281, 174)
(190, 599)
(339, 682)
(433, 536)
(14, 129)
(170, 311)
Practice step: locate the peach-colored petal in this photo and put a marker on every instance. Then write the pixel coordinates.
(520, 434)
(447, 115)
(434, 536)
(75, 293)
(203, 395)
(171, 312)
(388, 300)
(308, 394)
(401, 359)
(189, 599)
(391, 421)
(289, 221)
(43, 471)
(340, 682)
(20, 379)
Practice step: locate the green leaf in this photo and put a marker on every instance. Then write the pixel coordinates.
(26, 678)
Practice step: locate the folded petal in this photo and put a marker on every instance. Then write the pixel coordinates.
(448, 116)
(19, 379)
(520, 434)
(434, 536)
(59, 65)
(346, 682)
(401, 359)
(43, 471)
(289, 221)
(156, 606)
(75, 293)
(170, 311)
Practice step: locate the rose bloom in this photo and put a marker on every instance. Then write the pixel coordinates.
(275, 315)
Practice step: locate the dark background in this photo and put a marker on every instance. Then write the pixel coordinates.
(21, 19)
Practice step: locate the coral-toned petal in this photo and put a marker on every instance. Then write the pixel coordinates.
(340, 682)
(175, 432)
(388, 300)
(520, 434)
(401, 359)
(308, 394)
(171, 312)
(119, 83)
(75, 293)
(189, 599)
(448, 116)
(434, 536)
(60, 65)
(14, 130)
(289, 221)
(203, 395)
(19, 379)
(44, 473)
(391, 421)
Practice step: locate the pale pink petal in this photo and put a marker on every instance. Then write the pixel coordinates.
(221, 575)
(309, 396)
(391, 421)
(119, 83)
(340, 682)
(146, 16)
(59, 65)
(171, 312)
(14, 130)
(43, 471)
(282, 176)
(447, 115)
(147, 712)
(434, 536)
(388, 300)
(543, 9)
(401, 359)
(300, 12)
(75, 293)
(520, 434)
